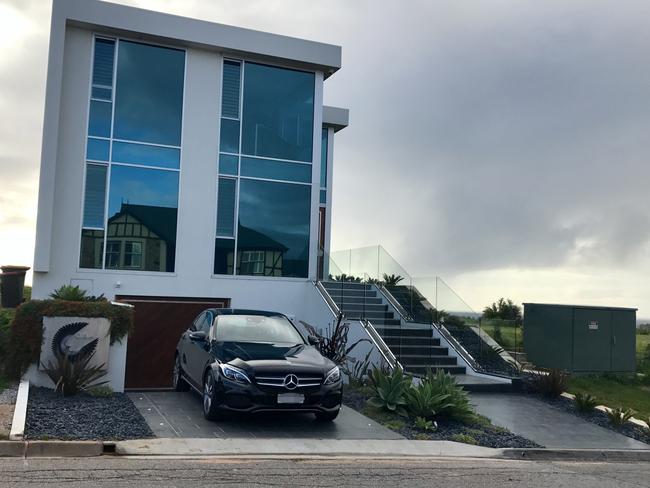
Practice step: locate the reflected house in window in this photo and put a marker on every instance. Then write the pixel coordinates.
(263, 256)
(141, 237)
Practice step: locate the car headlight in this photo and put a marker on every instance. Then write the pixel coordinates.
(332, 376)
(234, 374)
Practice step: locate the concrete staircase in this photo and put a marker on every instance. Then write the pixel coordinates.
(415, 348)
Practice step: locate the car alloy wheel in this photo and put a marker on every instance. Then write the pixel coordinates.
(208, 392)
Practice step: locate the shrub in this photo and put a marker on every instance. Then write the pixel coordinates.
(389, 389)
(71, 377)
(26, 334)
(334, 345)
(549, 383)
(423, 401)
(456, 405)
(585, 402)
(426, 425)
(618, 416)
(6, 315)
(464, 438)
(358, 372)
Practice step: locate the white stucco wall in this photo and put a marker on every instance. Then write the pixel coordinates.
(197, 198)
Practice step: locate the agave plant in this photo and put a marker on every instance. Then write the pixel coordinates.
(585, 402)
(74, 294)
(456, 405)
(71, 377)
(618, 416)
(424, 401)
(389, 389)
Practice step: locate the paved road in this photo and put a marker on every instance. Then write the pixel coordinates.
(324, 472)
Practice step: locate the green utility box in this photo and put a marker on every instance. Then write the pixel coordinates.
(580, 339)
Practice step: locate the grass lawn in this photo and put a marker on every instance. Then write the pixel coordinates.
(512, 336)
(614, 392)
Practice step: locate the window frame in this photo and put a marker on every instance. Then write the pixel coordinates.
(242, 63)
(116, 39)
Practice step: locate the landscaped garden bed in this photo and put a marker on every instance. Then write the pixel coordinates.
(549, 386)
(599, 418)
(438, 410)
(83, 417)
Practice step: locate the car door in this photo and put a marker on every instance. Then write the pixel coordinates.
(200, 350)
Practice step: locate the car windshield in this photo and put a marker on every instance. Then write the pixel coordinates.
(256, 328)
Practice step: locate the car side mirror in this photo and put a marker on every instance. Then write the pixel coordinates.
(198, 336)
(313, 340)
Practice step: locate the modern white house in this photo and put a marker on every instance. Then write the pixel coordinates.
(186, 165)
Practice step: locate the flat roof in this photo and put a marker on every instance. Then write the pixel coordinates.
(599, 307)
(157, 26)
(336, 117)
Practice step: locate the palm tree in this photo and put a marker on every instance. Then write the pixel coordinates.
(392, 279)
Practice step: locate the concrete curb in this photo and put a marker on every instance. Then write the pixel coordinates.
(17, 432)
(63, 448)
(30, 449)
(12, 449)
(592, 455)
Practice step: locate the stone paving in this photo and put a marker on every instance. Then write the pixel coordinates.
(547, 425)
(173, 414)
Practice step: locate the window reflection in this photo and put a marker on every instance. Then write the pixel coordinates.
(142, 206)
(278, 112)
(92, 243)
(273, 230)
(149, 93)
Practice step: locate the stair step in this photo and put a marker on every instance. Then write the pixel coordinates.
(337, 293)
(395, 342)
(367, 307)
(402, 331)
(419, 349)
(345, 285)
(357, 300)
(384, 323)
(422, 369)
(408, 359)
(372, 316)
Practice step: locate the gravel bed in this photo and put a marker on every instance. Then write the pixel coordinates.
(83, 417)
(484, 435)
(8, 395)
(597, 417)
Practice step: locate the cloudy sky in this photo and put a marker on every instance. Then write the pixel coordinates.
(500, 144)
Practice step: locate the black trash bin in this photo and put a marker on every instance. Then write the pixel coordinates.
(12, 284)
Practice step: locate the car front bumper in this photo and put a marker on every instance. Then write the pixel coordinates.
(251, 398)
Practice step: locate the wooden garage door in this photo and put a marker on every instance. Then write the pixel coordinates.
(159, 323)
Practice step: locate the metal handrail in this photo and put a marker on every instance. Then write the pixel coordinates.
(379, 343)
(458, 347)
(394, 303)
(334, 308)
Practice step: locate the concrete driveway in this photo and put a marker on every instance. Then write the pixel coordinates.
(173, 414)
(547, 425)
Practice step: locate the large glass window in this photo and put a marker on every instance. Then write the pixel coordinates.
(273, 228)
(278, 115)
(137, 230)
(149, 93)
(271, 162)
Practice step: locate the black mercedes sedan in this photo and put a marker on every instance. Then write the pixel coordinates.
(254, 361)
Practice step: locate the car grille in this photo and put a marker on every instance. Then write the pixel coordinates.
(277, 380)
